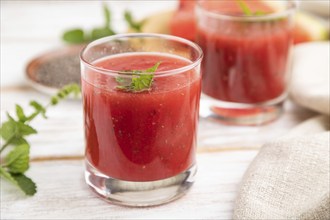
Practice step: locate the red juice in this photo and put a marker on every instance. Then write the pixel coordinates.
(244, 61)
(142, 136)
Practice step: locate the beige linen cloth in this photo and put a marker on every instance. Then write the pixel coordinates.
(290, 176)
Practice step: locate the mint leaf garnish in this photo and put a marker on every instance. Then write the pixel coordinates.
(13, 132)
(143, 82)
(139, 82)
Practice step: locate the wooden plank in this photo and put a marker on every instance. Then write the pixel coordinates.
(62, 133)
(63, 194)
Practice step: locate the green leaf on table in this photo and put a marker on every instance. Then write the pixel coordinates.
(38, 108)
(15, 128)
(25, 183)
(101, 32)
(107, 15)
(20, 180)
(73, 89)
(18, 141)
(7, 175)
(17, 161)
(20, 113)
(131, 23)
(74, 36)
(8, 129)
(65, 92)
(25, 129)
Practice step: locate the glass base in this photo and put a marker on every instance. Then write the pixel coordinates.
(239, 113)
(139, 194)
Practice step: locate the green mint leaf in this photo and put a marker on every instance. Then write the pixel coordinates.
(244, 7)
(10, 118)
(107, 15)
(153, 68)
(18, 141)
(38, 109)
(16, 129)
(54, 101)
(7, 175)
(20, 113)
(17, 161)
(65, 92)
(25, 129)
(25, 183)
(74, 36)
(101, 32)
(141, 81)
(8, 129)
(137, 26)
(74, 89)
(20, 180)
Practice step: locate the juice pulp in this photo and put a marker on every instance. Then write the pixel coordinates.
(244, 61)
(143, 136)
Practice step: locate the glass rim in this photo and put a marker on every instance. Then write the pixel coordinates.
(185, 68)
(283, 13)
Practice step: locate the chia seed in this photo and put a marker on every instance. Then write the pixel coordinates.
(59, 71)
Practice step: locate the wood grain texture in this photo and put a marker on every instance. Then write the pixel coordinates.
(63, 194)
(29, 28)
(224, 153)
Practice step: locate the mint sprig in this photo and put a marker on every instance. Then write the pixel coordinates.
(14, 132)
(139, 82)
(78, 35)
(134, 25)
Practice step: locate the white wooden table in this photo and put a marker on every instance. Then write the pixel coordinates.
(224, 152)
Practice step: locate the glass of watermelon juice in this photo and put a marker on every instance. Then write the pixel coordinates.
(141, 103)
(247, 51)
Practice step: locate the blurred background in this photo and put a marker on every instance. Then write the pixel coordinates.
(29, 28)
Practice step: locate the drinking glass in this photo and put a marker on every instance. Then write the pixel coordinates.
(247, 56)
(141, 119)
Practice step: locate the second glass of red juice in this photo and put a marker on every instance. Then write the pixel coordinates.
(246, 68)
(141, 102)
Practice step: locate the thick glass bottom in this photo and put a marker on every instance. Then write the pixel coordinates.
(240, 113)
(139, 194)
